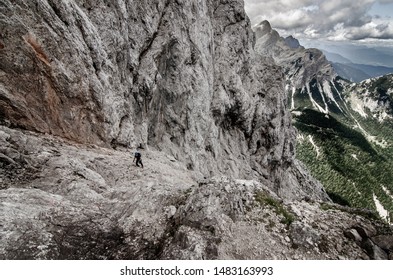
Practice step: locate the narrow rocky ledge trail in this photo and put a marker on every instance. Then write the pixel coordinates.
(62, 200)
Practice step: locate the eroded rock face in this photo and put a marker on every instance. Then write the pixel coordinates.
(62, 200)
(311, 81)
(180, 76)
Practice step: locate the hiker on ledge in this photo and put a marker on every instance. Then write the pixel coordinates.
(138, 158)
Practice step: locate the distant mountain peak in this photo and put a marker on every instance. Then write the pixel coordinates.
(263, 29)
(292, 42)
(265, 24)
(309, 76)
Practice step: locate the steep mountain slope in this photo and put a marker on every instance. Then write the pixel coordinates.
(64, 200)
(179, 79)
(352, 154)
(311, 81)
(178, 76)
(345, 133)
(373, 98)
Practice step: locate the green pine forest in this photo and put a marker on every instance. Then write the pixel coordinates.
(351, 167)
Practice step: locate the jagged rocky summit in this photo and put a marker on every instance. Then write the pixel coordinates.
(83, 80)
(310, 80)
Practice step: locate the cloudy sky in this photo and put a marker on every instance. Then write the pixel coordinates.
(358, 21)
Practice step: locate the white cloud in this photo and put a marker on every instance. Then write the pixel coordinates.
(333, 19)
(371, 30)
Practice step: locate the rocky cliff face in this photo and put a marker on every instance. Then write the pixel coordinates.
(311, 81)
(82, 80)
(372, 98)
(61, 200)
(181, 76)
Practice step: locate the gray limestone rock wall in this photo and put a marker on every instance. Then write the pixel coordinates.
(301, 65)
(62, 200)
(311, 80)
(180, 76)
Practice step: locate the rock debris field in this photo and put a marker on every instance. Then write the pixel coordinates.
(62, 200)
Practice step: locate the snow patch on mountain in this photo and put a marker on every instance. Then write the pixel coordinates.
(387, 191)
(297, 113)
(317, 149)
(383, 213)
(293, 91)
(314, 103)
(300, 138)
(328, 91)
